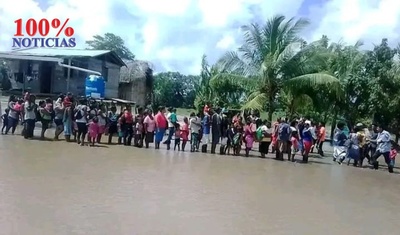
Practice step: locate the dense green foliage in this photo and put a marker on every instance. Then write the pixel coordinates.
(276, 70)
(111, 42)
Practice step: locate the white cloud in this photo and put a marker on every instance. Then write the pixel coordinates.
(226, 42)
(169, 8)
(352, 20)
(175, 34)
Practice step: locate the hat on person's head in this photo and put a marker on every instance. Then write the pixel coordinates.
(359, 124)
(308, 122)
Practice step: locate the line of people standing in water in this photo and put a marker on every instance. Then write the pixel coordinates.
(88, 121)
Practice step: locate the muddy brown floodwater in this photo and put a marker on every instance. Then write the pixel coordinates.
(64, 189)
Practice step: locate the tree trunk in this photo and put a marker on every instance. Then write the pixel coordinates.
(270, 110)
(291, 110)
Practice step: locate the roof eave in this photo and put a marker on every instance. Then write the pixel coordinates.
(121, 62)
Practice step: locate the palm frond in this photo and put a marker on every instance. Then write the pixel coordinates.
(224, 79)
(314, 81)
(232, 62)
(258, 102)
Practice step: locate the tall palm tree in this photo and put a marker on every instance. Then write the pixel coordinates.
(277, 58)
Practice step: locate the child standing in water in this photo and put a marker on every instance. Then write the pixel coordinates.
(94, 129)
(185, 132)
(393, 154)
(177, 136)
(119, 128)
(139, 134)
(4, 118)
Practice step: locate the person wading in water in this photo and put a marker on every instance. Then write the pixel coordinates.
(59, 110)
(216, 128)
(149, 127)
(161, 125)
(127, 125)
(283, 139)
(384, 146)
(30, 117)
(12, 115)
(81, 118)
(113, 117)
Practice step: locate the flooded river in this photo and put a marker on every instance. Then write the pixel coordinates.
(62, 188)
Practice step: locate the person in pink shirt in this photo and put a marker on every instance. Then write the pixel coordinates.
(249, 133)
(19, 107)
(149, 128)
(185, 132)
(94, 130)
(393, 154)
(161, 125)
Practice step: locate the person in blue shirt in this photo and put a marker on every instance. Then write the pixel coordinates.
(284, 132)
(172, 121)
(205, 124)
(307, 140)
(339, 142)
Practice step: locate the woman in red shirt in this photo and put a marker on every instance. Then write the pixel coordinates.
(161, 125)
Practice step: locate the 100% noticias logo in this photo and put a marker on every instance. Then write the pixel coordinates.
(42, 29)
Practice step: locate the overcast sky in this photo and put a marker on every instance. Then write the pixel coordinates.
(174, 34)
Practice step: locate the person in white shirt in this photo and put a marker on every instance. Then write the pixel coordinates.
(266, 138)
(172, 120)
(59, 110)
(81, 121)
(195, 126)
(383, 148)
(29, 117)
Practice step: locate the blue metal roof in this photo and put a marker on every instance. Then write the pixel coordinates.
(55, 52)
(65, 53)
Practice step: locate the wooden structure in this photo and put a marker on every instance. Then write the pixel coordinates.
(51, 71)
(136, 82)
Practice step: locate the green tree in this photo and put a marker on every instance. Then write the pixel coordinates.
(174, 89)
(220, 90)
(347, 63)
(379, 67)
(111, 42)
(277, 58)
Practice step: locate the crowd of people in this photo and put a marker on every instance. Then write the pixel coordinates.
(86, 121)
